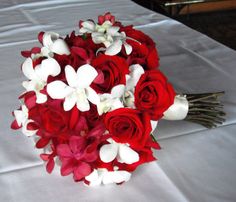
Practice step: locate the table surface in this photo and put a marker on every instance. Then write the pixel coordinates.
(195, 164)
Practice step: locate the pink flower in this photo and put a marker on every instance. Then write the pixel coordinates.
(78, 155)
(106, 17)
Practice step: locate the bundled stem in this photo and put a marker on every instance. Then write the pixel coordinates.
(205, 109)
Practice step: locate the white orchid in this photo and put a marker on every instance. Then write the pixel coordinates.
(21, 116)
(103, 176)
(107, 34)
(38, 76)
(112, 101)
(78, 91)
(132, 79)
(122, 152)
(52, 44)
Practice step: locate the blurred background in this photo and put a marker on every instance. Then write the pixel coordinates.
(215, 18)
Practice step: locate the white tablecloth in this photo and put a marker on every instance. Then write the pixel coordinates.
(195, 164)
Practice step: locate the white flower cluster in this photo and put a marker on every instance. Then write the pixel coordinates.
(108, 35)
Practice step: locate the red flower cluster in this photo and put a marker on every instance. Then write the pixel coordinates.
(107, 126)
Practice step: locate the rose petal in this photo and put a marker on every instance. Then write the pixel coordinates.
(85, 75)
(108, 152)
(127, 155)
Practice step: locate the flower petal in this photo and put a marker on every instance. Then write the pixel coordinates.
(83, 105)
(50, 67)
(85, 75)
(128, 48)
(127, 155)
(49, 38)
(112, 30)
(114, 48)
(88, 26)
(108, 152)
(27, 132)
(58, 90)
(40, 98)
(60, 47)
(63, 150)
(81, 171)
(27, 69)
(67, 167)
(71, 76)
(20, 116)
(94, 178)
(116, 177)
(136, 72)
(116, 104)
(118, 91)
(69, 103)
(92, 96)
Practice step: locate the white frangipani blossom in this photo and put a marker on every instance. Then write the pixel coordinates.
(108, 35)
(103, 176)
(21, 116)
(78, 91)
(38, 76)
(122, 152)
(52, 44)
(112, 101)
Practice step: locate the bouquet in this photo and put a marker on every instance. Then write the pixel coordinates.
(93, 99)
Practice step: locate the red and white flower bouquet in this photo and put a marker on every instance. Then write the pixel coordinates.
(92, 100)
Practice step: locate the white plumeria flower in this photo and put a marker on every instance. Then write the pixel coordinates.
(22, 120)
(112, 101)
(108, 35)
(78, 91)
(103, 176)
(122, 152)
(38, 76)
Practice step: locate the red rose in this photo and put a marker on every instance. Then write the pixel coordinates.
(153, 94)
(128, 126)
(113, 70)
(92, 116)
(151, 56)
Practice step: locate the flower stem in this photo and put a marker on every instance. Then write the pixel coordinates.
(205, 109)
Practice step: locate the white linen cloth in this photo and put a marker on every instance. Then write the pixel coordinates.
(195, 164)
